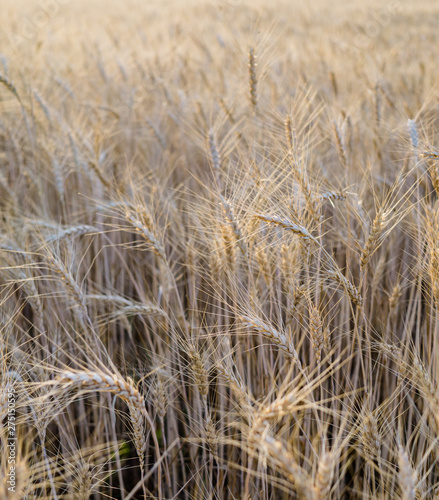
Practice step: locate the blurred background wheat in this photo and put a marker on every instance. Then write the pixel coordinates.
(219, 249)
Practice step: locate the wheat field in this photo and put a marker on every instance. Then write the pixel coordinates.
(219, 250)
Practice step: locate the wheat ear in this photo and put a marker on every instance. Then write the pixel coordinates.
(370, 245)
(406, 475)
(285, 224)
(278, 338)
(253, 79)
(125, 390)
(325, 474)
(340, 145)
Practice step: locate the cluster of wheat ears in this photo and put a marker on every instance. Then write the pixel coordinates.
(219, 253)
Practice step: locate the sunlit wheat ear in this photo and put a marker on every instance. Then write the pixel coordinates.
(234, 224)
(279, 456)
(316, 331)
(211, 436)
(394, 299)
(125, 390)
(160, 392)
(372, 240)
(214, 153)
(289, 134)
(122, 308)
(147, 233)
(414, 137)
(324, 476)
(215, 262)
(228, 247)
(109, 300)
(428, 386)
(340, 145)
(285, 224)
(392, 351)
(253, 78)
(145, 309)
(378, 103)
(138, 427)
(349, 288)
(84, 469)
(332, 196)
(70, 232)
(278, 338)
(199, 371)
(370, 438)
(72, 286)
(84, 482)
(406, 476)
